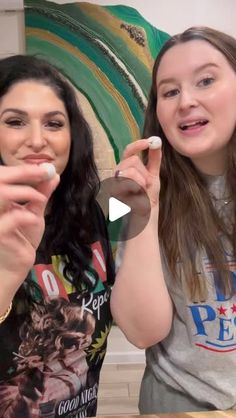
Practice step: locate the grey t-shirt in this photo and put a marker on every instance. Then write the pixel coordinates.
(199, 355)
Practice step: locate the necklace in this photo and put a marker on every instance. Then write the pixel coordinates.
(219, 191)
(225, 200)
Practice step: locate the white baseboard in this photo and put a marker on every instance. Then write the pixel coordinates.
(121, 357)
(121, 351)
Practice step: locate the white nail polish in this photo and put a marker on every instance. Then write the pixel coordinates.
(50, 169)
(154, 142)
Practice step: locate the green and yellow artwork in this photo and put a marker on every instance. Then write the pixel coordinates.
(107, 53)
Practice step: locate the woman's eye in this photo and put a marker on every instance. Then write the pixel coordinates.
(14, 122)
(171, 93)
(54, 124)
(206, 81)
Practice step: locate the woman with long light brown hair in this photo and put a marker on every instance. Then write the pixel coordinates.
(190, 316)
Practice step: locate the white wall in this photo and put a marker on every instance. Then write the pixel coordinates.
(174, 16)
(171, 16)
(11, 33)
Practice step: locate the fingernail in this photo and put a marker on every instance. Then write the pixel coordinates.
(51, 171)
(154, 142)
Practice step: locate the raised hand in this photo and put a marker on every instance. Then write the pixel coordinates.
(146, 176)
(24, 194)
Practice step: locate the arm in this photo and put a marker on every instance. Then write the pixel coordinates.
(140, 301)
(21, 225)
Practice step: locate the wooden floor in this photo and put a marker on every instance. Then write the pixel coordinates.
(120, 377)
(119, 389)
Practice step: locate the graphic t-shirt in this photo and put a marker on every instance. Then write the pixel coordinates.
(50, 359)
(198, 357)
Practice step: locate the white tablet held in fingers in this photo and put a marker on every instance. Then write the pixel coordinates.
(154, 142)
(50, 169)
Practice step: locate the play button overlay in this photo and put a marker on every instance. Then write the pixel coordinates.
(117, 209)
(126, 207)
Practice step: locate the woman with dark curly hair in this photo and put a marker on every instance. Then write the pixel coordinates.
(56, 268)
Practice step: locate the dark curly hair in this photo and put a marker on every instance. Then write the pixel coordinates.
(70, 223)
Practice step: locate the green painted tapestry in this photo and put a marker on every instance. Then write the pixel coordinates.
(107, 53)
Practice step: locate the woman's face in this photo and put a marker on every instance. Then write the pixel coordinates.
(34, 126)
(196, 103)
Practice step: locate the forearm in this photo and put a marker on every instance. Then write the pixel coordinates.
(8, 290)
(140, 301)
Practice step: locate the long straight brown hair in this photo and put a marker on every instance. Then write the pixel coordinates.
(188, 221)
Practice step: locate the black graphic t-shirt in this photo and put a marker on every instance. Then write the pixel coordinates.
(50, 360)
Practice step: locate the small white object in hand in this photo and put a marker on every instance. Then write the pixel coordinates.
(154, 142)
(50, 170)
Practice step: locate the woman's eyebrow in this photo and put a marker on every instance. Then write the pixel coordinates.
(166, 81)
(23, 113)
(203, 66)
(55, 112)
(11, 109)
